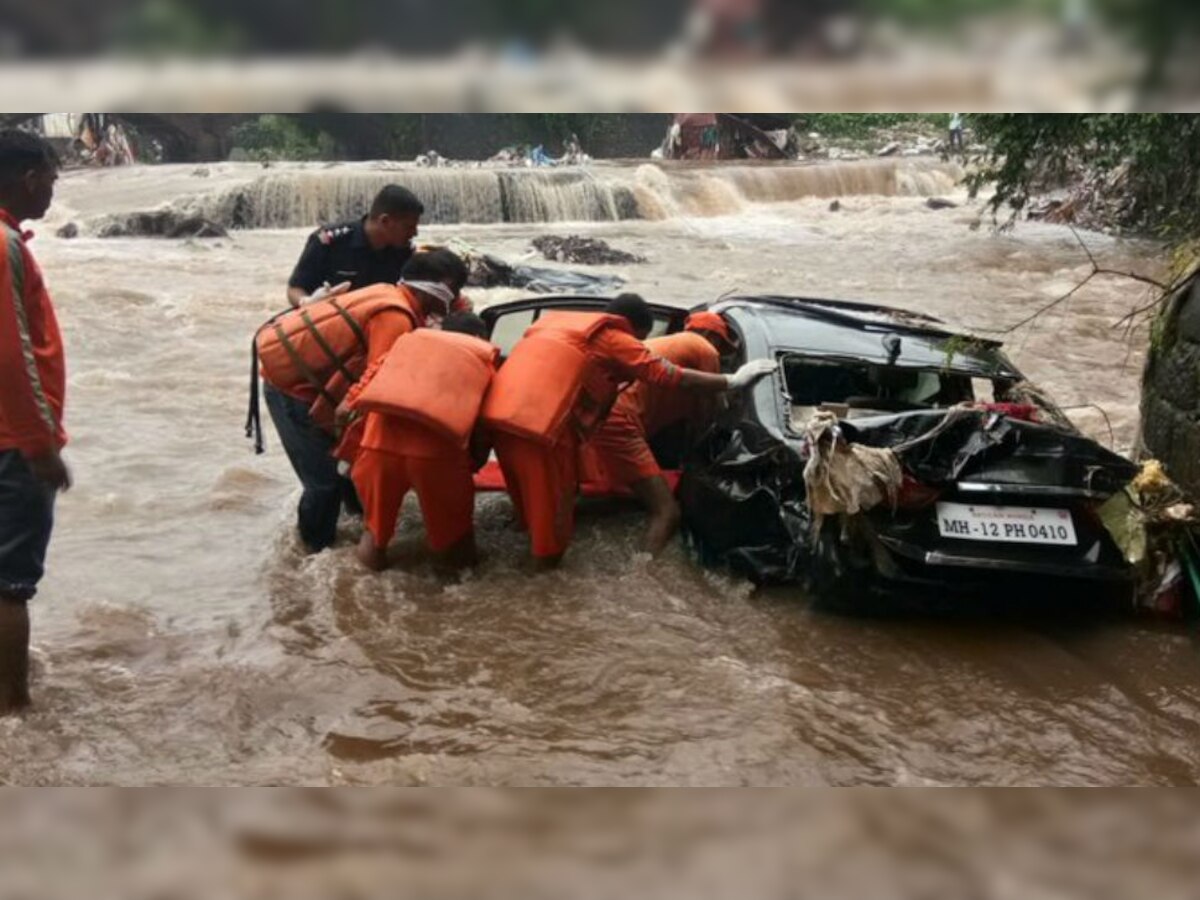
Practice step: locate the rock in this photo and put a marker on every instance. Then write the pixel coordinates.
(69, 230)
(940, 203)
(161, 223)
(576, 249)
(1189, 313)
(835, 205)
(890, 150)
(197, 227)
(201, 172)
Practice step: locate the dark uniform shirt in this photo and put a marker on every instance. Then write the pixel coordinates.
(337, 253)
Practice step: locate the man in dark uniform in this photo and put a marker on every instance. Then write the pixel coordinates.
(352, 255)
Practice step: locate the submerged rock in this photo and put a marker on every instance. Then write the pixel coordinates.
(940, 203)
(576, 249)
(69, 230)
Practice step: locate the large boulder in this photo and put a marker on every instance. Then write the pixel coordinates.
(1171, 389)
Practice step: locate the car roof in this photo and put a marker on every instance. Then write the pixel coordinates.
(823, 327)
(842, 328)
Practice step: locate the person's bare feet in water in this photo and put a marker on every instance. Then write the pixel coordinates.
(374, 558)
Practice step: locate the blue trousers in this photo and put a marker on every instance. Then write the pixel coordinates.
(26, 520)
(310, 451)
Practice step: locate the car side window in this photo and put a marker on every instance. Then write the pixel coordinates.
(662, 324)
(509, 328)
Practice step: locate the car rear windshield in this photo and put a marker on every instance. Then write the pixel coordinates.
(850, 387)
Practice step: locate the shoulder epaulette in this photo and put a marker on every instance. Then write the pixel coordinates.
(331, 233)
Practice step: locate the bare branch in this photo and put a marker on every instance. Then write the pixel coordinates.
(1091, 259)
(1097, 269)
(1040, 312)
(1166, 291)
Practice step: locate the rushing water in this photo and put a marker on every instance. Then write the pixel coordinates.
(182, 636)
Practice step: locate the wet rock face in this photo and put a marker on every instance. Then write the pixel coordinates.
(1171, 390)
(161, 223)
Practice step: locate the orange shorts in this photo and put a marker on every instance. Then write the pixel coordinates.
(444, 488)
(542, 481)
(620, 450)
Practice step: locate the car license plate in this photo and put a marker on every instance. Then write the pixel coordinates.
(1012, 524)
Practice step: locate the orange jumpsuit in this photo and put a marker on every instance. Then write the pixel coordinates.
(395, 456)
(619, 452)
(33, 379)
(542, 480)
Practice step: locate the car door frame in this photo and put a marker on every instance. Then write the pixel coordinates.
(673, 315)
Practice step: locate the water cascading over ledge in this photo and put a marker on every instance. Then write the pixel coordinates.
(451, 196)
(306, 197)
(595, 194)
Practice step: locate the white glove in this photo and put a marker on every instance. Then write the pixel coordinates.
(751, 372)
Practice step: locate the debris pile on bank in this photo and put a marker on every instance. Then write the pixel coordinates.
(1098, 202)
(576, 249)
(488, 271)
(1156, 530)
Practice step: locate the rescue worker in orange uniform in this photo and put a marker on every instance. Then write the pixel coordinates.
(620, 449)
(310, 357)
(557, 386)
(33, 383)
(421, 404)
(462, 302)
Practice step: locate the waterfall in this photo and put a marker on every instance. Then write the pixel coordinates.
(291, 199)
(305, 197)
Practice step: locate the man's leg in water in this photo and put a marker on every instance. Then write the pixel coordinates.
(26, 520)
(543, 481)
(623, 456)
(381, 481)
(655, 494)
(14, 654)
(446, 490)
(310, 451)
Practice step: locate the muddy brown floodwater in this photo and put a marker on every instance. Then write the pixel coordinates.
(182, 637)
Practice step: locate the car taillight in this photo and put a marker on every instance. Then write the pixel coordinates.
(915, 495)
(1090, 513)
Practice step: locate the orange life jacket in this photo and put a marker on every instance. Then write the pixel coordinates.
(324, 345)
(436, 378)
(550, 382)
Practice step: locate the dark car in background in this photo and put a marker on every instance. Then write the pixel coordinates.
(999, 491)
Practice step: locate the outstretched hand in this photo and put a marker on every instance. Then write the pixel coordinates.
(326, 291)
(751, 372)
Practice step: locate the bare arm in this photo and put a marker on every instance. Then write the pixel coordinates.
(703, 382)
(296, 296)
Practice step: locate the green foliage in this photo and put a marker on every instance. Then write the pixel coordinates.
(1156, 154)
(961, 344)
(951, 12)
(170, 27)
(280, 137)
(860, 126)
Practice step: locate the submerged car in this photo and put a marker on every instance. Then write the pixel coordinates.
(999, 491)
